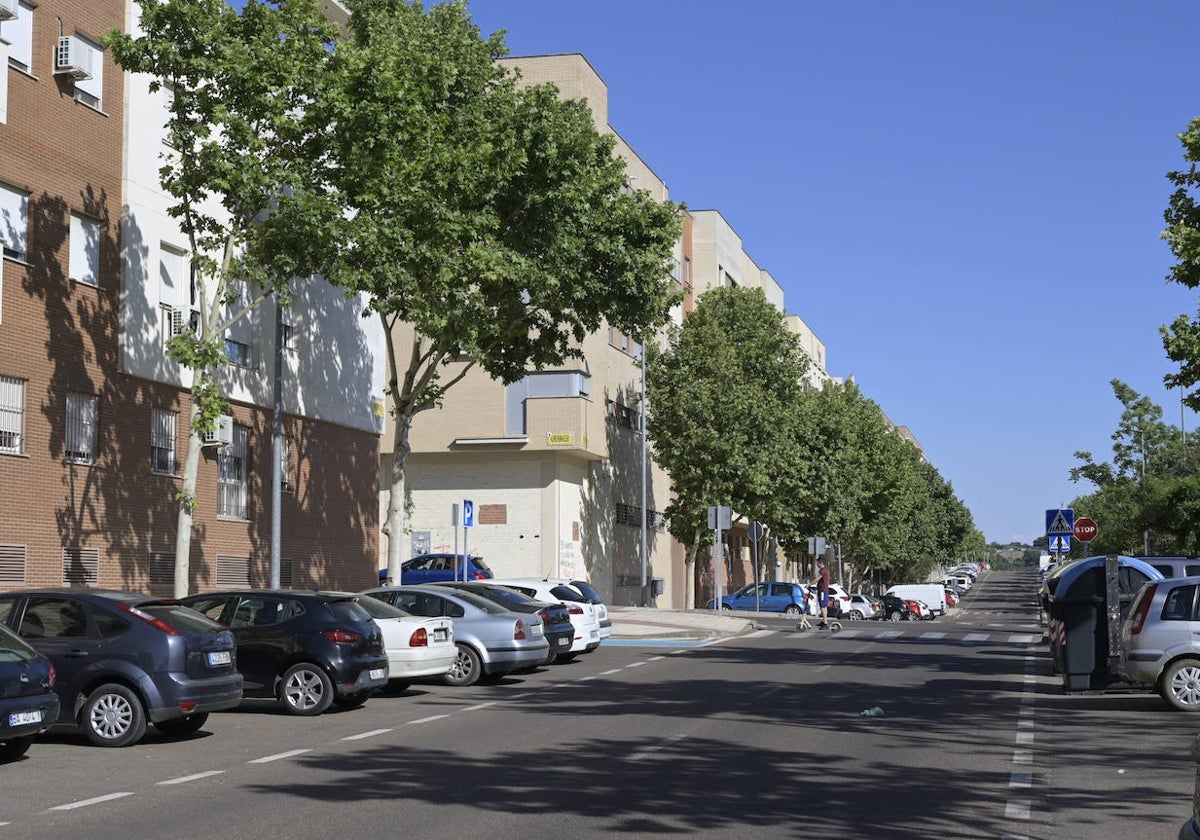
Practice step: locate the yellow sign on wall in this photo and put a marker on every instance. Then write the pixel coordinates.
(560, 439)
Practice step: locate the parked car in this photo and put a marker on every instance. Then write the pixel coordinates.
(951, 598)
(307, 649)
(592, 596)
(583, 613)
(896, 608)
(768, 596)
(839, 600)
(492, 641)
(862, 606)
(28, 704)
(432, 568)
(556, 619)
(416, 646)
(1160, 641)
(124, 660)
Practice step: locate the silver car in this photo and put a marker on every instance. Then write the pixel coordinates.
(491, 640)
(1160, 641)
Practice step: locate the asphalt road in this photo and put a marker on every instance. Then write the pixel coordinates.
(761, 735)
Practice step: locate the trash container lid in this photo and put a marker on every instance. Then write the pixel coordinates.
(1065, 576)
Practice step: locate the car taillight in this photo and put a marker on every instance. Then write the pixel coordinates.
(341, 637)
(518, 631)
(575, 610)
(1143, 609)
(149, 619)
(53, 677)
(479, 576)
(419, 638)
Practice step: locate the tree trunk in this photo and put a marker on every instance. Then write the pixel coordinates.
(187, 505)
(689, 573)
(397, 517)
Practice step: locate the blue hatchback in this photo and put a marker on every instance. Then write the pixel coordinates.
(770, 596)
(432, 568)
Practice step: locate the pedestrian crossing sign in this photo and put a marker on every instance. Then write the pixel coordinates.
(1060, 544)
(1060, 522)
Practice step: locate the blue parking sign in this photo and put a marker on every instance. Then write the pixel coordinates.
(468, 513)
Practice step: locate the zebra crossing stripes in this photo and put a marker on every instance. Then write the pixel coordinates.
(996, 636)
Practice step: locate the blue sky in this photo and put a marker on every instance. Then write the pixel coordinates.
(962, 199)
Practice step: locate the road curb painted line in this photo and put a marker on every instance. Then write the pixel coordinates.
(278, 756)
(95, 800)
(194, 777)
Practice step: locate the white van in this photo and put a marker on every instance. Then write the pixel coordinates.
(958, 580)
(933, 594)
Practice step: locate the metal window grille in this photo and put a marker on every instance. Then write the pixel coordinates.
(81, 428)
(163, 425)
(80, 566)
(12, 414)
(161, 573)
(233, 572)
(12, 565)
(232, 476)
(285, 573)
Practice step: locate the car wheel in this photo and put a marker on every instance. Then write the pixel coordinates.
(305, 690)
(14, 748)
(180, 726)
(855, 615)
(1180, 685)
(113, 716)
(792, 611)
(895, 615)
(352, 700)
(467, 667)
(726, 608)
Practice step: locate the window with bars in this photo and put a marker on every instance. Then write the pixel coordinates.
(81, 428)
(80, 566)
(12, 414)
(12, 565)
(161, 569)
(233, 475)
(632, 515)
(163, 425)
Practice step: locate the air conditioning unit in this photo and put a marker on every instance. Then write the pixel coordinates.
(8, 9)
(184, 321)
(222, 435)
(73, 58)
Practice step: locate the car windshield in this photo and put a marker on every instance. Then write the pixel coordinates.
(479, 602)
(13, 648)
(179, 617)
(588, 591)
(567, 593)
(501, 595)
(349, 610)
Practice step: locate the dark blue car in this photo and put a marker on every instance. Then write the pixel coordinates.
(769, 596)
(433, 568)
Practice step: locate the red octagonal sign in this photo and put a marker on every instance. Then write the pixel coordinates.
(1085, 529)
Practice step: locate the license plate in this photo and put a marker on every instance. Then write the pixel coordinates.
(563, 641)
(595, 634)
(378, 673)
(22, 718)
(440, 634)
(220, 657)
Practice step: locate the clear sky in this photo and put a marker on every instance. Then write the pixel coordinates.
(962, 199)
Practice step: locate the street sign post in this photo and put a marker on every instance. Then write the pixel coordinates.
(468, 521)
(1060, 525)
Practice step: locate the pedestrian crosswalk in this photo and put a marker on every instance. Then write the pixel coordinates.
(967, 637)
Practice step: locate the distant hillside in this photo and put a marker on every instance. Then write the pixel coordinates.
(1014, 555)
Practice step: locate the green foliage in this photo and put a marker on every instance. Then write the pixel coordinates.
(720, 392)
(1181, 339)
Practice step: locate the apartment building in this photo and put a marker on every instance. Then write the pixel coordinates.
(93, 414)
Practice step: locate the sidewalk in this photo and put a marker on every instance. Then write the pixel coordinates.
(651, 623)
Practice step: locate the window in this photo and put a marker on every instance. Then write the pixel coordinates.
(171, 277)
(560, 383)
(163, 424)
(286, 332)
(19, 35)
(14, 221)
(238, 353)
(84, 263)
(80, 566)
(81, 428)
(90, 91)
(1178, 605)
(12, 414)
(233, 475)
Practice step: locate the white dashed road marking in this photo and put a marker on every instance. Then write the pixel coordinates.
(96, 800)
(370, 734)
(192, 778)
(278, 756)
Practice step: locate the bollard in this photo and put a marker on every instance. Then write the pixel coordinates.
(1191, 829)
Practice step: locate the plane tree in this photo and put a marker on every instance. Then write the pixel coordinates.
(490, 223)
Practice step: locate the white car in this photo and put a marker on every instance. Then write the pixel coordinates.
(590, 594)
(416, 646)
(584, 615)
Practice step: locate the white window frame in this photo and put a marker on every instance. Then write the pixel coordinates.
(14, 221)
(19, 35)
(233, 475)
(164, 438)
(90, 92)
(84, 261)
(80, 438)
(12, 415)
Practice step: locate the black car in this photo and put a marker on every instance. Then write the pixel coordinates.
(306, 649)
(28, 704)
(896, 608)
(124, 660)
(556, 618)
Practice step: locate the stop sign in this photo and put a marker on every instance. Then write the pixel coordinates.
(1085, 529)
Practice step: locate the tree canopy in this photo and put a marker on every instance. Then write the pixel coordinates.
(1181, 338)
